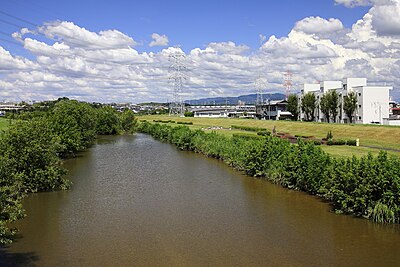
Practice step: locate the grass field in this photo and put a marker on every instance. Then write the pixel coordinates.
(3, 123)
(369, 135)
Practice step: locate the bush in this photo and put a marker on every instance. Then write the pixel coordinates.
(248, 128)
(264, 133)
(339, 142)
(185, 123)
(351, 142)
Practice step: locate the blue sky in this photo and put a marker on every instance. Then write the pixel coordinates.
(187, 23)
(119, 50)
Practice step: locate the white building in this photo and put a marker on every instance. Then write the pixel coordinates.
(372, 101)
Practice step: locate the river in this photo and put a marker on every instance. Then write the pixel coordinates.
(136, 201)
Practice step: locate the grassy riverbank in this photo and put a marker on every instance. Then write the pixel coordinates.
(368, 186)
(378, 137)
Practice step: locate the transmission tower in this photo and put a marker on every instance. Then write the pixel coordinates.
(260, 84)
(288, 83)
(177, 78)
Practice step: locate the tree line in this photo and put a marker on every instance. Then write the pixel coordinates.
(32, 148)
(330, 105)
(368, 186)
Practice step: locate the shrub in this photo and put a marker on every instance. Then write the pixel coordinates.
(339, 142)
(248, 128)
(351, 142)
(185, 123)
(264, 133)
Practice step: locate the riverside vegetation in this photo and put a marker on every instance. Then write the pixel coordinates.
(368, 186)
(32, 149)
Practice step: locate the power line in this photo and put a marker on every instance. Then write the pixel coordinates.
(9, 41)
(11, 23)
(17, 18)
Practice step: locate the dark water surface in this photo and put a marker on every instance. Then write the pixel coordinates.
(139, 202)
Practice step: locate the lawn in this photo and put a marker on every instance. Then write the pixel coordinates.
(369, 135)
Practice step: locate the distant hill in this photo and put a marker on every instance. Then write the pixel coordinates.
(248, 99)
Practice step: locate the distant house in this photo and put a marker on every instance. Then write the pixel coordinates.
(273, 110)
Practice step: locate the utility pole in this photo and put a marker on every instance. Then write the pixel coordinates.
(177, 78)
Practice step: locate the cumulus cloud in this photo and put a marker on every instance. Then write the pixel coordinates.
(317, 25)
(159, 40)
(354, 3)
(386, 18)
(76, 36)
(105, 66)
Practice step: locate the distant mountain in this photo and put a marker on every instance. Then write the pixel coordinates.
(248, 99)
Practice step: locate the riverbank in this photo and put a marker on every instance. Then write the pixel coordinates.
(367, 187)
(377, 136)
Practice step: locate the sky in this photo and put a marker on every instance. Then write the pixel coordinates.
(119, 51)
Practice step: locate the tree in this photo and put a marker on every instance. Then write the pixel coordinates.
(75, 124)
(128, 120)
(293, 106)
(324, 106)
(308, 105)
(350, 105)
(333, 104)
(107, 121)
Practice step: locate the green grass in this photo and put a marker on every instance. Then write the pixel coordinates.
(369, 135)
(4, 123)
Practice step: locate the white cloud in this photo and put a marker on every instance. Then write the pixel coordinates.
(354, 3)
(158, 40)
(317, 25)
(76, 36)
(103, 66)
(386, 18)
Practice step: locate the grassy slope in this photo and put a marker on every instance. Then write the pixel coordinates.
(369, 135)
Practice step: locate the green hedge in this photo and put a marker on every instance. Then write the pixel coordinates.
(367, 186)
(248, 128)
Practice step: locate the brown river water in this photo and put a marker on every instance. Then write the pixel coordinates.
(136, 201)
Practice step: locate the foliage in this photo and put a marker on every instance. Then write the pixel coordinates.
(325, 106)
(75, 124)
(350, 105)
(185, 122)
(351, 142)
(128, 120)
(367, 186)
(264, 133)
(333, 104)
(107, 121)
(308, 106)
(248, 128)
(293, 106)
(189, 114)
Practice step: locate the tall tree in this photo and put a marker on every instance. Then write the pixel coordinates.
(308, 105)
(350, 105)
(334, 104)
(324, 106)
(293, 106)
